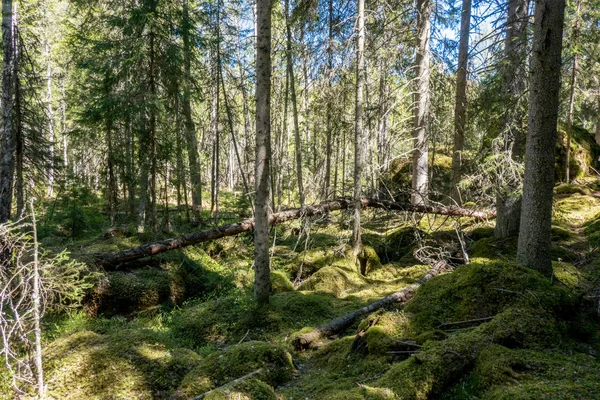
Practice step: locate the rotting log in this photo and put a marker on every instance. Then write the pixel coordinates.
(338, 325)
(112, 260)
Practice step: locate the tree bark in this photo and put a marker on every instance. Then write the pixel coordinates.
(49, 99)
(7, 145)
(338, 325)
(420, 167)
(572, 84)
(292, 80)
(153, 129)
(508, 204)
(215, 111)
(359, 139)
(329, 116)
(109, 260)
(190, 129)
(536, 218)
(460, 110)
(262, 270)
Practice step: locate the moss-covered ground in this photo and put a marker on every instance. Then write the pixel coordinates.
(184, 323)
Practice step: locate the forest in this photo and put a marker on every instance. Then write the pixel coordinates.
(300, 199)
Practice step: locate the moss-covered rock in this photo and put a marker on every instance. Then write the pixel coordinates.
(479, 291)
(569, 188)
(125, 364)
(332, 279)
(134, 291)
(212, 322)
(280, 283)
(236, 361)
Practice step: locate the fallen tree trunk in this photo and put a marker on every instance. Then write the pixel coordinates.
(340, 324)
(108, 260)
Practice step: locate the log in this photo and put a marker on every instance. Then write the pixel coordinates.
(113, 260)
(302, 342)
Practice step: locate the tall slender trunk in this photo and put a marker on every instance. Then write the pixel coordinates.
(19, 137)
(37, 310)
(329, 134)
(535, 239)
(359, 139)
(262, 274)
(49, 100)
(382, 125)
(460, 110)
(7, 145)
(143, 151)
(112, 181)
(572, 84)
(214, 201)
(290, 72)
(63, 127)
(152, 121)
(190, 129)
(420, 166)
(598, 118)
(508, 200)
(234, 141)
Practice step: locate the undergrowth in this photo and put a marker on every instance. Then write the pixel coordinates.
(184, 323)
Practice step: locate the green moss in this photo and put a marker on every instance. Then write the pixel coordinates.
(251, 389)
(493, 248)
(236, 361)
(331, 279)
(559, 233)
(280, 283)
(383, 336)
(134, 291)
(396, 244)
(212, 322)
(478, 291)
(370, 259)
(481, 233)
(567, 188)
(123, 364)
(568, 274)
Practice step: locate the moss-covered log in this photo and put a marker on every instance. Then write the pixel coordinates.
(109, 260)
(339, 324)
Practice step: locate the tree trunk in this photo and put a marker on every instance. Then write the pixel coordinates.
(190, 129)
(359, 140)
(262, 270)
(214, 200)
(420, 167)
(153, 131)
(7, 145)
(19, 189)
(508, 204)
(536, 218)
(290, 71)
(598, 118)
(329, 133)
(49, 100)
(572, 85)
(114, 259)
(460, 110)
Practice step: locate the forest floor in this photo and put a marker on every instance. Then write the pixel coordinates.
(184, 323)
